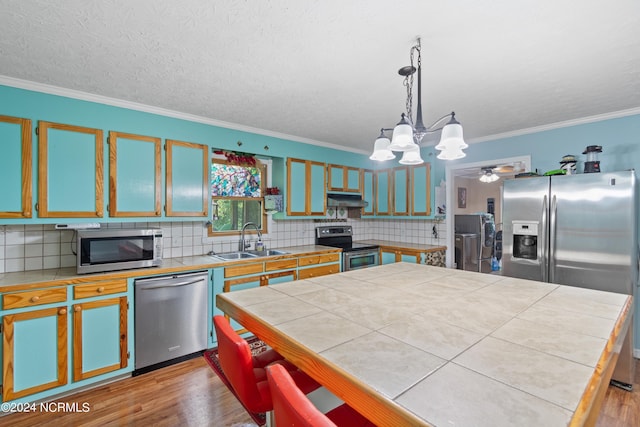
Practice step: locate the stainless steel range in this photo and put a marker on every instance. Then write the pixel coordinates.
(354, 255)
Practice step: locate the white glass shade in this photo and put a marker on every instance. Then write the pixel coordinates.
(451, 154)
(381, 150)
(452, 138)
(411, 157)
(402, 138)
(490, 177)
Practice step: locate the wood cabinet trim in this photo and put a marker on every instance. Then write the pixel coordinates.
(322, 270)
(113, 174)
(27, 165)
(99, 288)
(43, 173)
(280, 264)
(8, 322)
(413, 170)
(169, 144)
(376, 180)
(78, 309)
(318, 259)
(344, 170)
(308, 187)
(243, 270)
(33, 298)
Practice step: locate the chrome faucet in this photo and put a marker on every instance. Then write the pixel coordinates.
(242, 244)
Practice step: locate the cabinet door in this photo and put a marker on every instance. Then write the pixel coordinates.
(306, 183)
(99, 337)
(400, 191)
(187, 170)
(420, 192)
(382, 181)
(34, 352)
(387, 256)
(368, 191)
(70, 171)
(336, 179)
(135, 186)
(15, 167)
(317, 196)
(278, 277)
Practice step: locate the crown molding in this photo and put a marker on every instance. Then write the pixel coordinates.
(115, 102)
(558, 125)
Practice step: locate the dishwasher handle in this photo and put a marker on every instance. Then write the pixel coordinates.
(171, 285)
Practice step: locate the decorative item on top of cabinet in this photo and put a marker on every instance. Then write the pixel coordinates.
(70, 185)
(15, 167)
(306, 188)
(134, 168)
(343, 178)
(187, 179)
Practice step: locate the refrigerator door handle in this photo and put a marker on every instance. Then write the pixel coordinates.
(543, 248)
(553, 220)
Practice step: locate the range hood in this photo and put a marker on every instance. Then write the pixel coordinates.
(346, 200)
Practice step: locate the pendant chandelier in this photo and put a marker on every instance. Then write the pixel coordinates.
(407, 135)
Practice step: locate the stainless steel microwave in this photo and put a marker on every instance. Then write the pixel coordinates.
(118, 249)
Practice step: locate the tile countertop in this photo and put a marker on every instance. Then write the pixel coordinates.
(423, 345)
(64, 276)
(421, 247)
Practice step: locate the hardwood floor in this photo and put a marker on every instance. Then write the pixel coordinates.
(191, 394)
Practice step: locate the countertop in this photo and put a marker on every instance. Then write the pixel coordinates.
(411, 344)
(420, 247)
(65, 276)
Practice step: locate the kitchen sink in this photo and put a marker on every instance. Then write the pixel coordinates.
(227, 256)
(268, 252)
(234, 255)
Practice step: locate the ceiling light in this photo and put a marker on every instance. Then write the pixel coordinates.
(381, 150)
(407, 135)
(488, 175)
(411, 157)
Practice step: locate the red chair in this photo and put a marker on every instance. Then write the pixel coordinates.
(292, 408)
(246, 373)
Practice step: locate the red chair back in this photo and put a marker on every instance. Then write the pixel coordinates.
(290, 406)
(235, 358)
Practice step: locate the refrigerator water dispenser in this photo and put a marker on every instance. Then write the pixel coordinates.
(525, 239)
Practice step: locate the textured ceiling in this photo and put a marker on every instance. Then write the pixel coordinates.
(326, 70)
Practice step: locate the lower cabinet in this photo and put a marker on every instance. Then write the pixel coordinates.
(318, 265)
(391, 255)
(58, 338)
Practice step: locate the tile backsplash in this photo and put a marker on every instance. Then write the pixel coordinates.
(41, 246)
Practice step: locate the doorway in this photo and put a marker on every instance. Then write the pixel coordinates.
(465, 193)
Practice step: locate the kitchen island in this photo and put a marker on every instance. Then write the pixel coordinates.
(410, 344)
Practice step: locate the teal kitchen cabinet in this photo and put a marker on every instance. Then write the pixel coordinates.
(420, 191)
(70, 171)
(187, 179)
(100, 332)
(15, 167)
(306, 194)
(382, 185)
(390, 255)
(343, 178)
(400, 190)
(60, 338)
(135, 186)
(34, 342)
(368, 191)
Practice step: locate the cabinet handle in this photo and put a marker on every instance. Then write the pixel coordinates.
(123, 337)
(62, 311)
(35, 298)
(77, 308)
(101, 289)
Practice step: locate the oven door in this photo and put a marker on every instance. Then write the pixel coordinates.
(360, 259)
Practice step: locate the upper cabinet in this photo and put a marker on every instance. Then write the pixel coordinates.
(382, 185)
(187, 179)
(306, 194)
(70, 171)
(368, 191)
(400, 186)
(420, 191)
(343, 178)
(15, 167)
(135, 187)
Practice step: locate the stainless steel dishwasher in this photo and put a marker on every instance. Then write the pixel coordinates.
(170, 319)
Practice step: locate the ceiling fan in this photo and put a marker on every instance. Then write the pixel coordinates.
(490, 173)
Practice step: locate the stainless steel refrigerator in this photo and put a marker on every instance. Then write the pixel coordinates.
(474, 236)
(577, 230)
